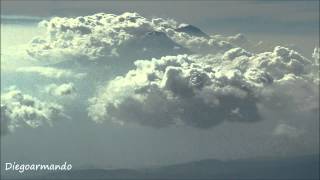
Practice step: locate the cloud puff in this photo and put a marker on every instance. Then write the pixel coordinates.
(100, 37)
(51, 72)
(176, 90)
(21, 110)
(106, 38)
(315, 55)
(66, 89)
(287, 131)
(204, 91)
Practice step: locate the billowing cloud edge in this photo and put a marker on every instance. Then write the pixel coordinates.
(204, 91)
(22, 110)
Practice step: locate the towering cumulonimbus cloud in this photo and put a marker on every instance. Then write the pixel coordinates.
(107, 38)
(21, 110)
(204, 91)
(182, 75)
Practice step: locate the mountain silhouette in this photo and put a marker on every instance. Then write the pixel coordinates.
(302, 167)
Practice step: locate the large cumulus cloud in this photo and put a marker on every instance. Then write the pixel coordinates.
(217, 79)
(129, 36)
(22, 110)
(203, 91)
(99, 37)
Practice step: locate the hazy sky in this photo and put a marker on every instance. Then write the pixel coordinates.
(277, 22)
(84, 143)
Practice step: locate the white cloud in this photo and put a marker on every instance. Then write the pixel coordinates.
(222, 81)
(204, 91)
(22, 110)
(107, 38)
(97, 37)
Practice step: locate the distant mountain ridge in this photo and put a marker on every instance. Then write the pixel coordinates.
(303, 167)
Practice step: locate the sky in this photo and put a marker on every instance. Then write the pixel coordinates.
(276, 22)
(84, 114)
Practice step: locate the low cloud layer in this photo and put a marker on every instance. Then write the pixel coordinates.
(51, 72)
(22, 110)
(204, 91)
